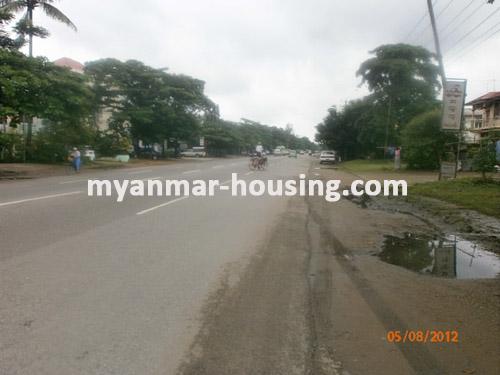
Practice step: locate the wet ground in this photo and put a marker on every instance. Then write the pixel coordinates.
(445, 256)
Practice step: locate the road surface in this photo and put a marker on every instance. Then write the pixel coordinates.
(222, 285)
(92, 286)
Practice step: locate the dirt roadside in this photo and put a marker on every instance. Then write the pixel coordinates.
(15, 171)
(400, 299)
(316, 301)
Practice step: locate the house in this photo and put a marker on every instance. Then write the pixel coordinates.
(472, 121)
(488, 106)
(104, 114)
(73, 65)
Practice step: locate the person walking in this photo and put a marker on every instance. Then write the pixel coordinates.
(76, 159)
(397, 159)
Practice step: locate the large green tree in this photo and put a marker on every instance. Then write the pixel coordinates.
(35, 87)
(150, 104)
(404, 82)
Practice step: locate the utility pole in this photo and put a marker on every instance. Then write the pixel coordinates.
(436, 41)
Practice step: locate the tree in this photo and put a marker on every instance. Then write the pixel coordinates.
(26, 25)
(34, 87)
(404, 82)
(349, 131)
(5, 40)
(484, 159)
(155, 104)
(424, 141)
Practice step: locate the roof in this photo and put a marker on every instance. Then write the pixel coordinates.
(491, 96)
(69, 63)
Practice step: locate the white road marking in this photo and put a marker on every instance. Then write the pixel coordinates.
(40, 198)
(248, 173)
(193, 171)
(151, 178)
(161, 205)
(217, 166)
(73, 181)
(141, 171)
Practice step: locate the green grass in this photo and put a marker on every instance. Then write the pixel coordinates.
(472, 193)
(368, 165)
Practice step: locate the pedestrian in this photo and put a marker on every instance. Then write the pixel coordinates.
(76, 159)
(397, 159)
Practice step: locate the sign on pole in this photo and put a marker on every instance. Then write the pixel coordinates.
(453, 103)
(448, 170)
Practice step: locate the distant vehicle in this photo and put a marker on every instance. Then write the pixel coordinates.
(292, 154)
(301, 152)
(89, 154)
(195, 152)
(327, 157)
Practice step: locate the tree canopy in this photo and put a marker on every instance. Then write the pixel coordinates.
(155, 104)
(403, 81)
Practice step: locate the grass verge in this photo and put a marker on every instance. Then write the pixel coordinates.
(471, 193)
(368, 165)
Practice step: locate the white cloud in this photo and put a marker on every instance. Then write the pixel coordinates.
(275, 61)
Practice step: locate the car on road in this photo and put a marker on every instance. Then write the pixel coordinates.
(292, 154)
(89, 154)
(195, 152)
(328, 157)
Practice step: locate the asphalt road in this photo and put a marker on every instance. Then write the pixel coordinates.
(92, 286)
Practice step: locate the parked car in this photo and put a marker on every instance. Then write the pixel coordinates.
(292, 154)
(89, 154)
(195, 152)
(327, 157)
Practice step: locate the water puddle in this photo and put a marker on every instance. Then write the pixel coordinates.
(449, 256)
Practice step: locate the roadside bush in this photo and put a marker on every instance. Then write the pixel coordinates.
(424, 141)
(112, 143)
(11, 147)
(484, 159)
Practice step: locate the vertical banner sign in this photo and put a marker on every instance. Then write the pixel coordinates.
(453, 102)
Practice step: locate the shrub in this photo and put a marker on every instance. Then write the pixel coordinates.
(424, 141)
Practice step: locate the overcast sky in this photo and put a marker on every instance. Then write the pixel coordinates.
(274, 61)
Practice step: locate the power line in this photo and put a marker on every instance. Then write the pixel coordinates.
(458, 15)
(467, 17)
(443, 10)
(475, 46)
(407, 37)
(474, 29)
(422, 32)
(424, 16)
(478, 38)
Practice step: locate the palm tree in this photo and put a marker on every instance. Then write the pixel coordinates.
(29, 6)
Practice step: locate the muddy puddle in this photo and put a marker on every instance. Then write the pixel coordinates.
(449, 256)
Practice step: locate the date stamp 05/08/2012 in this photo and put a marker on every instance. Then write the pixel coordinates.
(423, 336)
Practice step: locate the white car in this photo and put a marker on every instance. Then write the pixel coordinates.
(328, 157)
(195, 152)
(89, 154)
